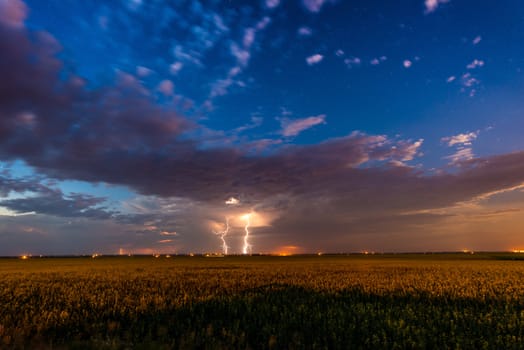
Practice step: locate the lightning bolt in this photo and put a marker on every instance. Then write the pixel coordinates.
(247, 247)
(223, 235)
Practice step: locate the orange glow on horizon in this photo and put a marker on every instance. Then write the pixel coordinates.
(287, 250)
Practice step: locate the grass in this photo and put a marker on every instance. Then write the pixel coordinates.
(259, 302)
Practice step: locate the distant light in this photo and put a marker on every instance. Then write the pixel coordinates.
(95, 255)
(520, 251)
(24, 257)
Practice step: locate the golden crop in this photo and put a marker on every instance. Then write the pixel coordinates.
(326, 302)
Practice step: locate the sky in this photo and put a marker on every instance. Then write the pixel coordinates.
(267, 126)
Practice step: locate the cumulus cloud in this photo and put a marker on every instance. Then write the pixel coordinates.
(407, 63)
(314, 59)
(293, 127)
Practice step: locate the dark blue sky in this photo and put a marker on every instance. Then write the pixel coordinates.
(143, 117)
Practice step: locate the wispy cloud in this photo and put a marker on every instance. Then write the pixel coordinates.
(143, 72)
(461, 155)
(293, 127)
(476, 40)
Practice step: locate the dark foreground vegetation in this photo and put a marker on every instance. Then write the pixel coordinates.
(317, 302)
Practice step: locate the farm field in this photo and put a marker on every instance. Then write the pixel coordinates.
(261, 302)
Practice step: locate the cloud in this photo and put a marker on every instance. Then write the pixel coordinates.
(143, 71)
(166, 87)
(304, 31)
(293, 127)
(314, 59)
(432, 5)
(377, 61)
(176, 67)
(352, 61)
(41, 199)
(263, 23)
(451, 79)
(13, 13)
(314, 6)
(272, 3)
(187, 55)
(463, 143)
(249, 37)
(477, 40)
(232, 201)
(407, 63)
(461, 139)
(348, 189)
(475, 64)
(167, 233)
(469, 84)
(461, 155)
(240, 54)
